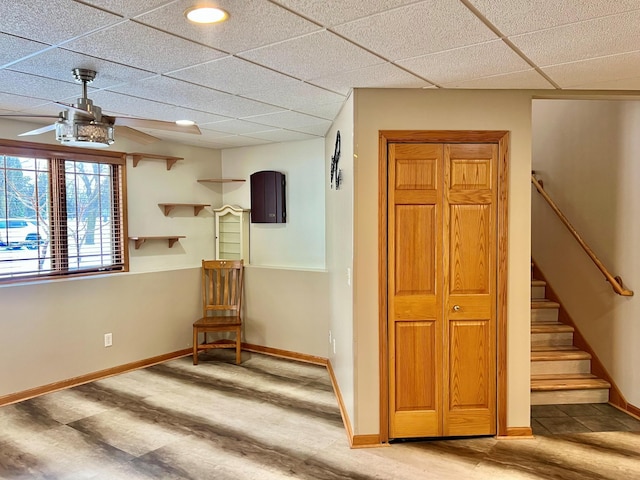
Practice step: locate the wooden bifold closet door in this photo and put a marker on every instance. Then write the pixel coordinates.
(442, 257)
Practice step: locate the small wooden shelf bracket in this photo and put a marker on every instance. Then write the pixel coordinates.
(220, 180)
(172, 239)
(197, 207)
(136, 157)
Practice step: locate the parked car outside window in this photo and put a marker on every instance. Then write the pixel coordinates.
(16, 233)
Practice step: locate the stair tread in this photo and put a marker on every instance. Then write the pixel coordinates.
(546, 348)
(569, 384)
(544, 303)
(559, 376)
(538, 283)
(555, 327)
(558, 354)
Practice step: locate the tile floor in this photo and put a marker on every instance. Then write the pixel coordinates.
(581, 418)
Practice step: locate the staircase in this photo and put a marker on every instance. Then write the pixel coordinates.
(560, 372)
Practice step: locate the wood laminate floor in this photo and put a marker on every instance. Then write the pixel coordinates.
(268, 418)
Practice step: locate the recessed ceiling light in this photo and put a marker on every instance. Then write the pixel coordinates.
(206, 15)
(185, 123)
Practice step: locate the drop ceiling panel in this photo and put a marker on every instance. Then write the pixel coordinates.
(232, 75)
(115, 103)
(327, 111)
(235, 127)
(579, 41)
(596, 71)
(417, 29)
(14, 48)
(621, 84)
(12, 102)
(294, 121)
(128, 8)
(294, 94)
(513, 17)
(466, 63)
(340, 12)
(528, 79)
(58, 63)
(36, 87)
(143, 47)
(52, 21)
(314, 55)
(283, 136)
(163, 89)
(251, 24)
(383, 75)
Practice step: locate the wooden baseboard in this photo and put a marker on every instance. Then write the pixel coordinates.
(627, 408)
(367, 441)
(90, 377)
(355, 441)
(276, 352)
(517, 433)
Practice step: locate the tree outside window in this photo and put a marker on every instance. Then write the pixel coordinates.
(61, 211)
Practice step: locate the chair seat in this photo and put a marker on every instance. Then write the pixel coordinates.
(226, 321)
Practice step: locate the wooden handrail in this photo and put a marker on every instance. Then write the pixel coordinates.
(616, 282)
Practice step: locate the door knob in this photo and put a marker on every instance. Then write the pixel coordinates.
(456, 308)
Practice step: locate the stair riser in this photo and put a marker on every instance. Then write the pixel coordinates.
(570, 396)
(537, 292)
(544, 315)
(551, 339)
(547, 367)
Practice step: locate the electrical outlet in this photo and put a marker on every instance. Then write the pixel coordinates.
(330, 337)
(108, 339)
(334, 345)
(349, 276)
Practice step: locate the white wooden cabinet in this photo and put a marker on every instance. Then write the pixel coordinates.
(232, 233)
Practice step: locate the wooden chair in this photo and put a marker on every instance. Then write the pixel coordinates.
(221, 305)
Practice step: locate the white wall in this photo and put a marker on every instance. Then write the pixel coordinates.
(339, 221)
(586, 152)
(300, 242)
(439, 110)
(286, 286)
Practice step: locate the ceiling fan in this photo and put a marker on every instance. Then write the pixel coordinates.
(84, 124)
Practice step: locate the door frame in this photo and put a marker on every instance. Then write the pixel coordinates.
(501, 137)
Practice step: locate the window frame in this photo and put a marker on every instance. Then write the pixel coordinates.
(58, 154)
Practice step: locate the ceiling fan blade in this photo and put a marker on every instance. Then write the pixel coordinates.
(38, 131)
(136, 135)
(157, 125)
(27, 115)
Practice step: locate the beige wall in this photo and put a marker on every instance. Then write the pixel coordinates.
(586, 152)
(287, 309)
(53, 331)
(439, 110)
(339, 225)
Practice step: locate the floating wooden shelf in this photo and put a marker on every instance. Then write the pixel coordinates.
(197, 207)
(170, 238)
(152, 156)
(221, 180)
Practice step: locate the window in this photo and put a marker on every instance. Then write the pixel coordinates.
(62, 211)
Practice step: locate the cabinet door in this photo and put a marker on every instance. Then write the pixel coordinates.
(228, 237)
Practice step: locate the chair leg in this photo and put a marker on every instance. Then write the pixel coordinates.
(238, 350)
(195, 346)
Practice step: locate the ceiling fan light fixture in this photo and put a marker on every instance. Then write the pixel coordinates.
(206, 15)
(185, 123)
(88, 134)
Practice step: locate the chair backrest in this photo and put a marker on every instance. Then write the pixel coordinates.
(221, 286)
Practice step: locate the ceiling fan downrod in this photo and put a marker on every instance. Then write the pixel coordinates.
(86, 76)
